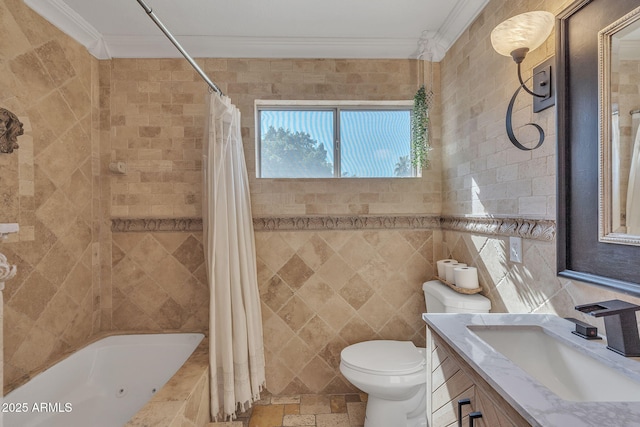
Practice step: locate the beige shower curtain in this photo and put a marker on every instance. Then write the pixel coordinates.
(236, 352)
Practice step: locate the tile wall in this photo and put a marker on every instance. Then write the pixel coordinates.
(159, 282)
(47, 185)
(149, 114)
(484, 175)
(320, 289)
(157, 108)
(324, 290)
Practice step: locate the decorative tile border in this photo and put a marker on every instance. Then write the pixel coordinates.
(533, 229)
(123, 225)
(345, 223)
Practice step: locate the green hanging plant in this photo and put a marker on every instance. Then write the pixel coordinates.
(420, 130)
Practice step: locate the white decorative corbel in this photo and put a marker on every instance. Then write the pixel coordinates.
(7, 271)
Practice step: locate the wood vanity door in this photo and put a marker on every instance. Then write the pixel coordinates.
(450, 379)
(492, 415)
(449, 384)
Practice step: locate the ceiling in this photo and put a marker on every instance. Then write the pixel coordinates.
(264, 28)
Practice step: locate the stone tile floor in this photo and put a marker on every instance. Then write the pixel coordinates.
(305, 410)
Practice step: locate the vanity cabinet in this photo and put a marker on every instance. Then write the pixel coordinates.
(452, 380)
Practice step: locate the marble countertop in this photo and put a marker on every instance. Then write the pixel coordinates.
(536, 403)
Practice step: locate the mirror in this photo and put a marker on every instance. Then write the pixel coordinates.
(591, 247)
(619, 105)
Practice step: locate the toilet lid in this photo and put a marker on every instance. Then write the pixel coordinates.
(383, 357)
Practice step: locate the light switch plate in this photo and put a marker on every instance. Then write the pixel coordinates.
(515, 249)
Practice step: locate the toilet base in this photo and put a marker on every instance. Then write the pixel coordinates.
(407, 413)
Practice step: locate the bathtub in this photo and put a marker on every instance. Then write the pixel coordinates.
(103, 384)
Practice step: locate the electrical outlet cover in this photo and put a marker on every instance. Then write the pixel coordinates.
(515, 249)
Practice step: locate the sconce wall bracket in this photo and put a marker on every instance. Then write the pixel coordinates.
(543, 98)
(543, 84)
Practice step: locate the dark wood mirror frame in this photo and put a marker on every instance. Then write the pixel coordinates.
(580, 255)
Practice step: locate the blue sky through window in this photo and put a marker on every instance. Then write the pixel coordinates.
(372, 141)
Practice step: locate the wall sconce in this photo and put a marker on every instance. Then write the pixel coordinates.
(515, 37)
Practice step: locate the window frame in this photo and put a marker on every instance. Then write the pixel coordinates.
(336, 107)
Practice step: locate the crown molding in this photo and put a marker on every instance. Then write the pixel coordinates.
(157, 46)
(67, 20)
(260, 47)
(460, 18)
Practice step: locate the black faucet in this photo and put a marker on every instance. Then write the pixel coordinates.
(621, 326)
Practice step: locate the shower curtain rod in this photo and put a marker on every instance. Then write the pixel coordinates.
(175, 42)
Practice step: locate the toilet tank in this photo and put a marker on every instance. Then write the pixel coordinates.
(442, 299)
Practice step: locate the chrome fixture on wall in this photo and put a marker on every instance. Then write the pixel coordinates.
(516, 37)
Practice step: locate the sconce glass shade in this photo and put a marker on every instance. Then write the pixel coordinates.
(525, 31)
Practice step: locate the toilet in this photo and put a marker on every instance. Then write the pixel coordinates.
(393, 373)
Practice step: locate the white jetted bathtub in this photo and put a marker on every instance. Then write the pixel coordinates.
(102, 385)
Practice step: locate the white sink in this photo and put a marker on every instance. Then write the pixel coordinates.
(559, 366)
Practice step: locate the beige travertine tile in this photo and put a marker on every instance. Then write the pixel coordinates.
(285, 400)
(29, 72)
(296, 354)
(299, 420)
(376, 311)
(148, 253)
(33, 296)
(315, 252)
(295, 313)
(332, 420)
(295, 272)
(275, 293)
(267, 416)
(356, 291)
(156, 413)
(331, 354)
(190, 253)
(356, 411)
(338, 404)
(316, 333)
(356, 252)
(336, 272)
(316, 375)
(356, 330)
(336, 312)
(34, 350)
(316, 292)
(314, 404)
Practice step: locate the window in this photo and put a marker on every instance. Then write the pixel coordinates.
(333, 139)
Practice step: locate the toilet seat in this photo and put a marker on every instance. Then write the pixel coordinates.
(383, 357)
